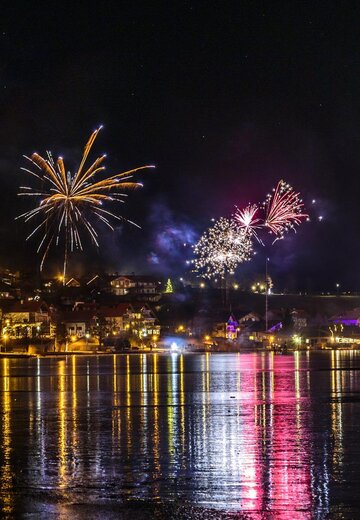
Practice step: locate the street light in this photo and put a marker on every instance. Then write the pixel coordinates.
(5, 337)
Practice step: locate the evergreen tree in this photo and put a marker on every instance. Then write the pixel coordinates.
(169, 288)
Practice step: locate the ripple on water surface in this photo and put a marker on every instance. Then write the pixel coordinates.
(181, 436)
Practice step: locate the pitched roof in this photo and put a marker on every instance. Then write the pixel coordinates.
(29, 306)
(137, 278)
(354, 314)
(76, 316)
(115, 311)
(138, 306)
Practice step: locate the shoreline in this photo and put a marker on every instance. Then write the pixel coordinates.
(85, 353)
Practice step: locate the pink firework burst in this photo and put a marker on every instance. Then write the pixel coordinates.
(284, 210)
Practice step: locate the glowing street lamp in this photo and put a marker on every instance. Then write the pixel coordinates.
(297, 340)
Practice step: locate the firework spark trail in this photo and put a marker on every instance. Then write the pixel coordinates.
(68, 201)
(284, 210)
(248, 220)
(221, 249)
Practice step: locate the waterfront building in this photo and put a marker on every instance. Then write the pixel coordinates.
(135, 285)
(27, 319)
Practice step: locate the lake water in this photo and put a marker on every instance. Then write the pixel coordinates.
(181, 436)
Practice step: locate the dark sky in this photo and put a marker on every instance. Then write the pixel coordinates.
(225, 98)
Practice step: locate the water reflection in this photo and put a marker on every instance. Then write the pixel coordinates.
(6, 441)
(242, 432)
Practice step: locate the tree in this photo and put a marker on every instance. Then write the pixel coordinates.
(169, 288)
(287, 320)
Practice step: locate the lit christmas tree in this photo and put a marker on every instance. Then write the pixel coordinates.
(169, 288)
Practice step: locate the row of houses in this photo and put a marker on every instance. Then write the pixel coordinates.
(147, 288)
(37, 319)
(251, 326)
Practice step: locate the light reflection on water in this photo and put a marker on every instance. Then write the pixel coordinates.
(238, 432)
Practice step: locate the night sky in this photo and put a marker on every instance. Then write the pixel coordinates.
(225, 98)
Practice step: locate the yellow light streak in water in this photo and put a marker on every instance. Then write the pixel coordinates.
(74, 404)
(39, 422)
(207, 368)
(144, 398)
(128, 406)
(156, 434)
(128, 383)
(62, 440)
(6, 472)
(115, 379)
(182, 401)
(336, 408)
(171, 395)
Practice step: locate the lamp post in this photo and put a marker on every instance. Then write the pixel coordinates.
(5, 337)
(266, 294)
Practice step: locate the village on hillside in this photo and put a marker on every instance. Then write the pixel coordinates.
(129, 312)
